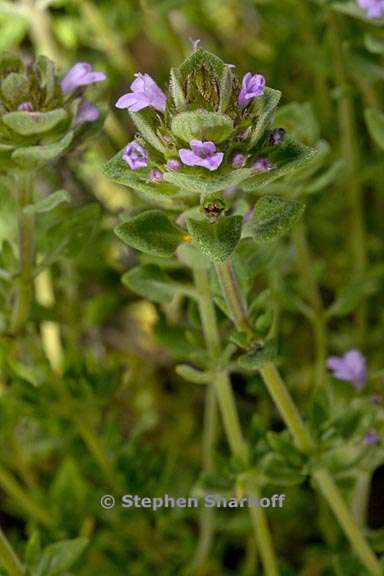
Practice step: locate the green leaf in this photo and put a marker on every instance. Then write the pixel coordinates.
(281, 443)
(71, 235)
(264, 108)
(217, 240)
(32, 123)
(49, 203)
(277, 471)
(144, 123)
(350, 296)
(208, 183)
(226, 88)
(375, 123)
(273, 216)
(151, 282)
(151, 232)
(203, 125)
(299, 120)
(201, 59)
(60, 557)
(35, 156)
(259, 355)
(192, 257)
(176, 90)
(15, 87)
(285, 159)
(33, 551)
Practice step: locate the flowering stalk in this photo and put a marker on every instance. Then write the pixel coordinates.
(302, 436)
(226, 401)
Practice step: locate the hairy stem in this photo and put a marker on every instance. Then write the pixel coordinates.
(8, 557)
(301, 435)
(230, 417)
(24, 285)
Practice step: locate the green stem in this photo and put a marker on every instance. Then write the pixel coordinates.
(302, 436)
(17, 493)
(233, 296)
(8, 557)
(350, 152)
(26, 254)
(311, 287)
(230, 417)
(332, 494)
(207, 517)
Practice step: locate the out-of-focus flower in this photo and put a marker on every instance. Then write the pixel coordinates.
(173, 164)
(135, 156)
(262, 165)
(202, 154)
(252, 86)
(373, 8)
(351, 367)
(144, 92)
(81, 74)
(277, 136)
(371, 438)
(87, 112)
(156, 175)
(376, 398)
(238, 160)
(25, 107)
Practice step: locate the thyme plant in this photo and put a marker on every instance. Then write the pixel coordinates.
(201, 154)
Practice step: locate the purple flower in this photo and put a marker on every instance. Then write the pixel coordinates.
(202, 154)
(87, 112)
(174, 165)
(262, 165)
(252, 86)
(195, 44)
(277, 136)
(25, 107)
(372, 8)
(81, 74)
(145, 92)
(351, 367)
(371, 438)
(376, 399)
(135, 155)
(156, 175)
(238, 160)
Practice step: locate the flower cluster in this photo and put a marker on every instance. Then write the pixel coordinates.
(373, 8)
(207, 122)
(41, 116)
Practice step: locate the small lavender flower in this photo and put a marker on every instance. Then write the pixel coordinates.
(81, 74)
(156, 175)
(174, 165)
(277, 136)
(376, 399)
(87, 112)
(195, 44)
(262, 165)
(202, 154)
(351, 367)
(252, 86)
(135, 155)
(144, 92)
(371, 438)
(373, 8)
(25, 107)
(238, 160)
